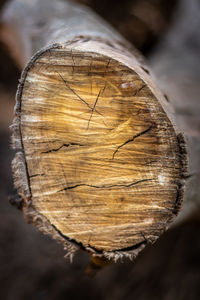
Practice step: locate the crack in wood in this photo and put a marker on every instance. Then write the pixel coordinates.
(93, 108)
(73, 91)
(36, 175)
(139, 90)
(73, 61)
(144, 237)
(77, 95)
(108, 63)
(94, 249)
(105, 186)
(64, 145)
(131, 140)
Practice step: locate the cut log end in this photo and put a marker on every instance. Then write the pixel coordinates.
(102, 163)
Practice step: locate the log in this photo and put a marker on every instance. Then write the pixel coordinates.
(100, 162)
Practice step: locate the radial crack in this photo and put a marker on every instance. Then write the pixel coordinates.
(94, 106)
(64, 145)
(73, 91)
(139, 90)
(72, 57)
(104, 186)
(76, 94)
(35, 175)
(108, 63)
(131, 140)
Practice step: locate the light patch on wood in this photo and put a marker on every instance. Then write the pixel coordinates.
(125, 85)
(161, 179)
(149, 221)
(31, 118)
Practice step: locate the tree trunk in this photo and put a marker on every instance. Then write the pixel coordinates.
(101, 164)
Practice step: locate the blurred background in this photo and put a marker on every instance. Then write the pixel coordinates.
(32, 264)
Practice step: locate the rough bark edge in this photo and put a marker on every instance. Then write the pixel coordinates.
(182, 183)
(20, 171)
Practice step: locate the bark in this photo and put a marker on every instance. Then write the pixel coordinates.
(101, 164)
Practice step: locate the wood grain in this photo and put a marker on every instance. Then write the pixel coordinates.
(102, 156)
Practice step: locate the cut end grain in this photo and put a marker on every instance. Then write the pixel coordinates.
(103, 162)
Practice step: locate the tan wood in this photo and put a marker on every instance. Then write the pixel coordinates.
(101, 164)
